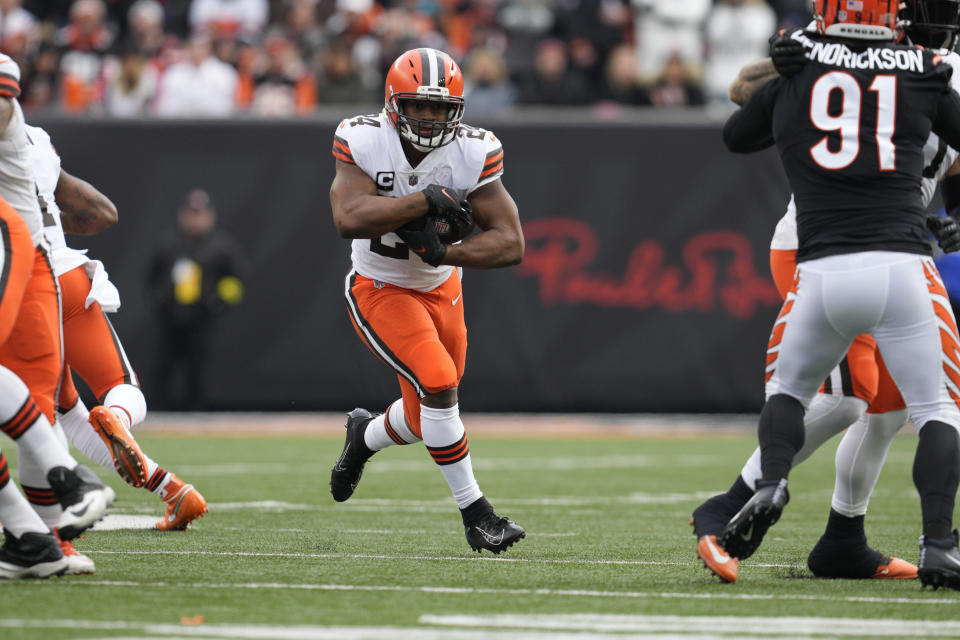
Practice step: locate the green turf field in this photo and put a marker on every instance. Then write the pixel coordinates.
(608, 553)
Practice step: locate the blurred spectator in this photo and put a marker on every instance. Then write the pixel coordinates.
(228, 18)
(553, 82)
(488, 89)
(283, 86)
(339, 81)
(85, 41)
(792, 13)
(303, 27)
(19, 32)
(526, 23)
(620, 80)
(593, 28)
(132, 92)
(736, 34)
(193, 277)
(39, 90)
(145, 28)
(669, 28)
(200, 86)
(674, 87)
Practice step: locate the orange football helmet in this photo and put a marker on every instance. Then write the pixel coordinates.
(424, 74)
(857, 19)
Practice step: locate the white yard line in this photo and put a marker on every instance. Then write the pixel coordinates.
(724, 625)
(313, 632)
(378, 556)
(558, 463)
(921, 597)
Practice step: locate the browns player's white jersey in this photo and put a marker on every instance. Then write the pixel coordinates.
(46, 170)
(474, 158)
(937, 159)
(17, 184)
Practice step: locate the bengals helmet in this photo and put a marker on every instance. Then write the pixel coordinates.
(932, 23)
(857, 19)
(424, 74)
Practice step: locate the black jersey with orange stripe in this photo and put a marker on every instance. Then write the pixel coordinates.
(850, 129)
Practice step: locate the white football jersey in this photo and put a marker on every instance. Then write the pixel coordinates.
(17, 185)
(46, 170)
(937, 159)
(473, 159)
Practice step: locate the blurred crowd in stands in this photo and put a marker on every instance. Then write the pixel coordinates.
(280, 58)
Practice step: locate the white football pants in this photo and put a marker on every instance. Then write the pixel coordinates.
(899, 299)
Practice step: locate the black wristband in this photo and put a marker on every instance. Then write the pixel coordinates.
(950, 192)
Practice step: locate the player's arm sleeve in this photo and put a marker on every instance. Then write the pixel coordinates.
(751, 127)
(950, 190)
(341, 149)
(492, 168)
(946, 124)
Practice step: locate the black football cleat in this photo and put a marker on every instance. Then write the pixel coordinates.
(82, 495)
(744, 533)
(345, 475)
(32, 555)
(939, 562)
(856, 560)
(493, 533)
(713, 515)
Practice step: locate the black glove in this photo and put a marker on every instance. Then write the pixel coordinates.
(452, 218)
(440, 201)
(787, 54)
(455, 225)
(946, 230)
(422, 239)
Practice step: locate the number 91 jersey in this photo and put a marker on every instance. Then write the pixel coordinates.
(473, 159)
(850, 129)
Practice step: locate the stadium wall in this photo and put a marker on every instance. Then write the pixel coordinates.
(645, 286)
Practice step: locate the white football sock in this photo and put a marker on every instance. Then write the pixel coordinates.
(445, 438)
(15, 512)
(860, 457)
(129, 400)
(80, 433)
(827, 416)
(33, 479)
(378, 436)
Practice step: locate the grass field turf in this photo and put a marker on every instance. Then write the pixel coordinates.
(608, 553)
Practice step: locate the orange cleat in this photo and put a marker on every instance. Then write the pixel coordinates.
(716, 559)
(896, 569)
(128, 459)
(77, 563)
(184, 505)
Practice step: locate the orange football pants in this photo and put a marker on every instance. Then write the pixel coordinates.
(92, 347)
(34, 349)
(16, 266)
(421, 335)
(865, 376)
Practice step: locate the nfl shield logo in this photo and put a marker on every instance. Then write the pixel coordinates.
(414, 180)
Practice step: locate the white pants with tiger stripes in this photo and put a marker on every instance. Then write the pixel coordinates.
(900, 299)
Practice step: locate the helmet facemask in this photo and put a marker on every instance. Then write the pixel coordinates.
(932, 23)
(427, 135)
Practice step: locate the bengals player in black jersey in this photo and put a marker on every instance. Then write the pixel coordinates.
(850, 129)
(859, 393)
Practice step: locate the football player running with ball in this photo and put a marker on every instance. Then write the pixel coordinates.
(850, 128)
(411, 183)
